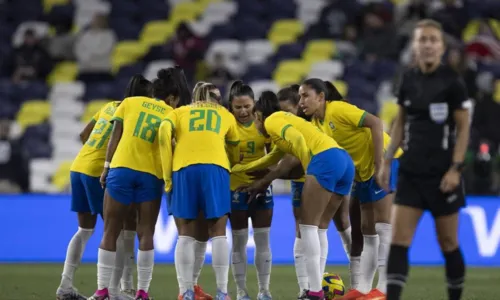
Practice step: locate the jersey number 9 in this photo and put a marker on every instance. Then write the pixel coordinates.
(147, 126)
(202, 120)
(99, 128)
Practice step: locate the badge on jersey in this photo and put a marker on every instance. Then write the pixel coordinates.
(332, 127)
(438, 112)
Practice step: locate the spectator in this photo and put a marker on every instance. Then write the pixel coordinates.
(379, 39)
(408, 15)
(61, 46)
(335, 17)
(459, 62)
(93, 49)
(187, 49)
(29, 61)
(485, 46)
(347, 47)
(14, 164)
(219, 74)
(453, 17)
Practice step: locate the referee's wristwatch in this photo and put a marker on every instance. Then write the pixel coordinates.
(458, 166)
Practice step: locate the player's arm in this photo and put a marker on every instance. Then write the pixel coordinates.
(262, 163)
(460, 106)
(116, 134)
(85, 134)
(232, 142)
(286, 168)
(165, 134)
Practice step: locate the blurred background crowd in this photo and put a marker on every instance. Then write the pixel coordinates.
(61, 60)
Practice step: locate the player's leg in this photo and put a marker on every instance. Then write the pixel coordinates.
(128, 243)
(216, 206)
(261, 221)
(76, 246)
(239, 230)
(117, 198)
(200, 250)
(406, 213)
(298, 249)
(357, 240)
(147, 195)
(343, 225)
(326, 172)
(185, 208)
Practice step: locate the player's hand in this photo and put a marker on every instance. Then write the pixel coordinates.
(383, 174)
(104, 175)
(450, 181)
(259, 174)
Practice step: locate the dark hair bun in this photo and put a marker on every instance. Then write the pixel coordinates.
(164, 74)
(295, 87)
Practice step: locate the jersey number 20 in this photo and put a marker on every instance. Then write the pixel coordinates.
(202, 120)
(146, 127)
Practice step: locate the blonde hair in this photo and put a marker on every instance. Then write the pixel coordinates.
(197, 86)
(202, 93)
(424, 23)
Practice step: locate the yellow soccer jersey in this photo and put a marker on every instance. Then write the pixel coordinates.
(138, 148)
(343, 122)
(201, 131)
(296, 136)
(252, 147)
(90, 159)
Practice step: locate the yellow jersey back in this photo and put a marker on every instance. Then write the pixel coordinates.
(202, 130)
(138, 148)
(90, 159)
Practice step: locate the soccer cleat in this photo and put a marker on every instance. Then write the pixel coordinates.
(242, 295)
(142, 295)
(315, 295)
(129, 292)
(353, 295)
(188, 295)
(200, 294)
(69, 294)
(302, 295)
(222, 296)
(100, 295)
(264, 295)
(374, 294)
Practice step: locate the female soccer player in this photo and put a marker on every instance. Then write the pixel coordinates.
(361, 135)
(87, 193)
(253, 145)
(198, 174)
(434, 120)
(133, 174)
(330, 172)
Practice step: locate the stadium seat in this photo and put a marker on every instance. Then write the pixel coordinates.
(63, 72)
(65, 129)
(127, 52)
(65, 149)
(183, 12)
(318, 50)
(327, 70)
(40, 171)
(49, 4)
(61, 177)
(294, 66)
(153, 67)
(29, 90)
(388, 112)
(130, 70)
(496, 93)
(71, 90)
(92, 108)
(257, 51)
(223, 9)
(342, 87)
(66, 108)
(260, 86)
(33, 113)
(308, 12)
(202, 27)
(284, 79)
(156, 33)
(231, 50)
(285, 31)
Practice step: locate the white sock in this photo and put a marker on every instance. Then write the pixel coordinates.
(200, 248)
(300, 265)
(323, 242)
(105, 264)
(239, 258)
(145, 264)
(384, 231)
(114, 283)
(127, 280)
(346, 241)
(220, 262)
(369, 262)
(311, 245)
(184, 258)
(263, 257)
(355, 271)
(74, 256)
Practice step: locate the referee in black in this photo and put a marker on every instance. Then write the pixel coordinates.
(433, 124)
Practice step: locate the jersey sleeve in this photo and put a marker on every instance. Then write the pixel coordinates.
(232, 142)
(264, 162)
(399, 91)
(457, 95)
(95, 118)
(165, 134)
(119, 112)
(350, 115)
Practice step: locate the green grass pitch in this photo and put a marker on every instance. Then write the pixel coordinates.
(39, 281)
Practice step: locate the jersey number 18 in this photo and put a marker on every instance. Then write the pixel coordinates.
(146, 127)
(202, 120)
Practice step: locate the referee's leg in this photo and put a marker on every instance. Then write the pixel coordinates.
(404, 223)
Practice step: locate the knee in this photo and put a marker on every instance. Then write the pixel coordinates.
(202, 234)
(368, 227)
(342, 222)
(448, 242)
(401, 237)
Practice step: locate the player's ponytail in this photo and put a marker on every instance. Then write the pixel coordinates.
(238, 89)
(267, 104)
(197, 86)
(139, 86)
(204, 93)
(290, 93)
(332, 93)
(172, 82)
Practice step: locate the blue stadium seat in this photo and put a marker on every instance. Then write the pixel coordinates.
(155, 53)
(8, 110)
(37, 148)
(60, 13)
(258, 72)
(38, 132)
(124, 9)
(365, 104)
(98, 91)
(361, 88)
(125, 29)
(250, 29)
(281, 9)
(222, 32)
(289, 51)
(251, 9)
(119, 88)
(130, 70)
(150, 10)
(30, 90)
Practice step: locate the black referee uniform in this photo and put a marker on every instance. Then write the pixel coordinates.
(429, 138)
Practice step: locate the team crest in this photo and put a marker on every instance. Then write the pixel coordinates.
(331, 125)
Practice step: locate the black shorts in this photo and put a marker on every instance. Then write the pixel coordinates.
(424, 193)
